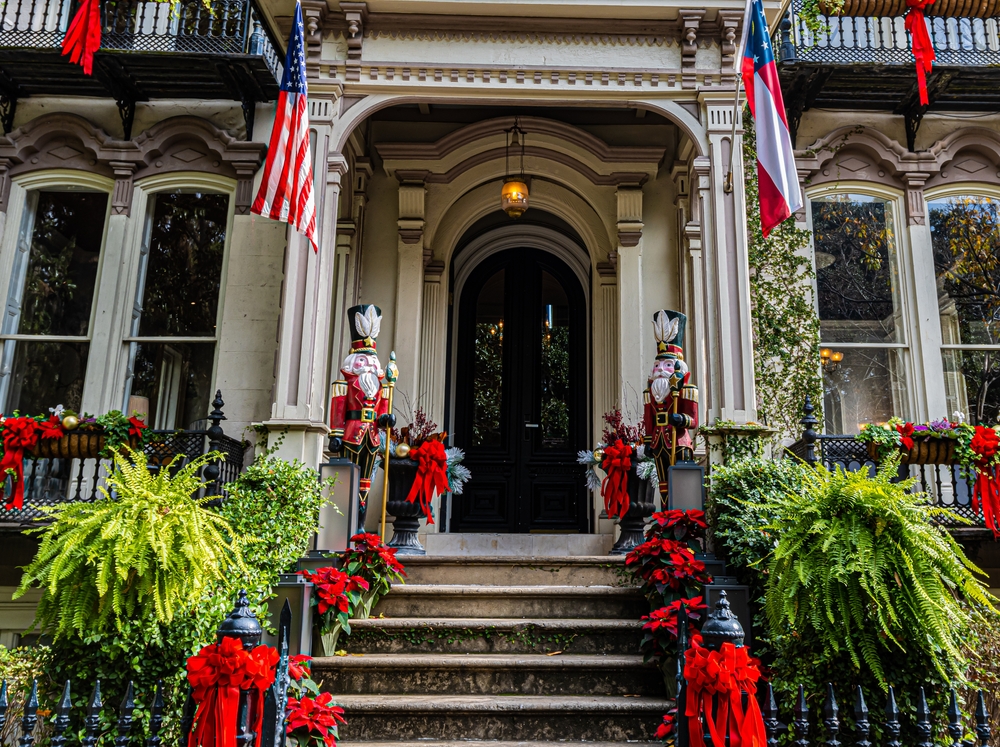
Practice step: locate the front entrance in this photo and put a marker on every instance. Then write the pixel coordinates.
(521, 406)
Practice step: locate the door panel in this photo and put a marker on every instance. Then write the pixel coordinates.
(520, 396)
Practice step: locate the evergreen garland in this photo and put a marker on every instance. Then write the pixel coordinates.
(785, 323)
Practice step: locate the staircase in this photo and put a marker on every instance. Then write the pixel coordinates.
(500, 652)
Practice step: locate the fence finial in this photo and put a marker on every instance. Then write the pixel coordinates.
(30, 718)
(156, 717)
(92, 724)
(241, 623)
(125, 716)
(801, 721)
(770, 714)
(892, 720)
(862, 726)
(3, 705)
(983, 730)
(923, 721)
(955, 721)
(722, 626)
(831, 717)
(61, 722)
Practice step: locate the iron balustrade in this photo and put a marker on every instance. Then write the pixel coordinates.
(849, 40)
(214, 27)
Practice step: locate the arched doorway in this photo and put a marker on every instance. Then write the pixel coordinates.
(521, 394)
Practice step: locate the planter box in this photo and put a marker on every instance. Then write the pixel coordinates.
(943, 8)
(929, 451)
(76, 444)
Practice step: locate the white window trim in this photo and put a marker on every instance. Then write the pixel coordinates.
(144, 189)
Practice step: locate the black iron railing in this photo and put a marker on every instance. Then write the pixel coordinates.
(51, 481)
(884, 40)
(219, 27)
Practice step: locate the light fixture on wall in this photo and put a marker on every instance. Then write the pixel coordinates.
(514, 195)
(830, 358)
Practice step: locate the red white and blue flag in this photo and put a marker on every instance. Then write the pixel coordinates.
(286, 191)
(776, 176)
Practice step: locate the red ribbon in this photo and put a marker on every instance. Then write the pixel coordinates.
(716, 681)
(19, 435)
(920, 43)
(217, 675)
(83, 37)
(614, 487)
(984, 444)
(432, 475)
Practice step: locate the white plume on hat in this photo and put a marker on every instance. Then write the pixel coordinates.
(664, 328)
(369, 323)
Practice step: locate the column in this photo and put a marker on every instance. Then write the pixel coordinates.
(409, 291)
(301, 374)
(727, 273)
(631, 324)
(433, 338)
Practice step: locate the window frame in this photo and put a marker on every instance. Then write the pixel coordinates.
(142, 205)
(22, 204)
(909, 330)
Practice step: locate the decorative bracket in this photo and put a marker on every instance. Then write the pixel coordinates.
(126, 110)
(8, 107)
(122, 88)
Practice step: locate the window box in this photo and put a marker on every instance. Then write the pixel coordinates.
(929, 451)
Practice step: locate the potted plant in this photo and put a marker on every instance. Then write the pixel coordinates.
(629, 471)
(336, 595)
(420, 467)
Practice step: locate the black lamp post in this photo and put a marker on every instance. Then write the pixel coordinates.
(722, 626)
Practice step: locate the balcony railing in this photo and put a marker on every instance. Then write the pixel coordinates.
(966, 42)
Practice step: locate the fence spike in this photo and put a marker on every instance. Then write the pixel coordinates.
(3, 705)
(125, 716)
(187, 716)
(892, 720)
(862, 726)
(92, 724)
(61, 722)
(831, 717)
(30, 718)
(770, 713)
(923, 721)
(801, 720)
(156, 717)
(954, 720)
(983, 730)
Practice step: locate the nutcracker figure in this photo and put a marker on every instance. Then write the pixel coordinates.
(670, 403)
(360, 404)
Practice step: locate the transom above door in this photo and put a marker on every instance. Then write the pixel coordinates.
(521, 399)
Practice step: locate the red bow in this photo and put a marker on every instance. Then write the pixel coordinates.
(985, 443)
(83, 37)
(920, 43)
(726, 673)
(217, 674)
(432, 475)
(19, 435)
(614, 488)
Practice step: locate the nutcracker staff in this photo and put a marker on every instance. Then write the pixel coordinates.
(670, 403)
(360, 404)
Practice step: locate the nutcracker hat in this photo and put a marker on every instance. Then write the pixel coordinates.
(366, 321)
(668, 329)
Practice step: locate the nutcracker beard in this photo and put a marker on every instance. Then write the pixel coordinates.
(659, 387)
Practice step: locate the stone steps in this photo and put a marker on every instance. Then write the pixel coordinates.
(607, 570)
(415, 635)
(511, 718)
(496, 674)
(477, 743)
(440, 600)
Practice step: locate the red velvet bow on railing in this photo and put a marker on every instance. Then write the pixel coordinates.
(217, 675)
(432, 475)
(920, 43)
(985, 443)
(83, 37)
(726, 673)
(614, 488)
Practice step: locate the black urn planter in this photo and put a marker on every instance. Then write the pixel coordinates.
(406, 515)
(633, 524)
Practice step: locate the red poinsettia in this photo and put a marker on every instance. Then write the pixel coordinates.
(136, 427)
(680, 524)
(666, 728)
(985, 443)
(299, 666)
(664, 620)
(51, 428)
(905, 435)
(335, 589)
(314, 716)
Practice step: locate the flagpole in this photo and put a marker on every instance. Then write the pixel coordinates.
(727, 185)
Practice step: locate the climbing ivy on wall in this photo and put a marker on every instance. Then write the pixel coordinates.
(785, 324)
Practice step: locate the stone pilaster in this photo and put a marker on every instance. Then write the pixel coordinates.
(409, 288)
(630, 307)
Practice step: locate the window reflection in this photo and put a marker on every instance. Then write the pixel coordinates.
(555, 363)
(488, 372)
(865, 386)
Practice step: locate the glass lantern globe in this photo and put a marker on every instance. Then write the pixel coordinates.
(514, 198)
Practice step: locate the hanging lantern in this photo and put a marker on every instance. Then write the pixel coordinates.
(514, 195)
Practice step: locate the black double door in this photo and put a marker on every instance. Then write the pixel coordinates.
(521, 402)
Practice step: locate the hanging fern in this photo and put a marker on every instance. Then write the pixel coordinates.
(860, 565)
(145, 551)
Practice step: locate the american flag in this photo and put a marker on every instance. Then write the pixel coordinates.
(286, 191)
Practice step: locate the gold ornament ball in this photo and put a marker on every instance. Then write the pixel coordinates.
(402, 450)
(599, 455)
(70, 422)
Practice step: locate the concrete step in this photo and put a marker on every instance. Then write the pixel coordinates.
(415, 635)
(501, 571)
(463, 743)
(433, 600)
(410, 718)
(489, 674)
(518, 545)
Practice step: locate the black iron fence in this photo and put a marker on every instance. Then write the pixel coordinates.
(51, 481)
(850, 40)
(223, 27)
(944, 483)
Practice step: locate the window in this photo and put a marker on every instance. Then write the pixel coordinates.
(47, 322)
(965, 235)
(858, 298)
(171, 350)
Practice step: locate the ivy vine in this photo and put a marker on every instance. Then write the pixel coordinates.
(785, 323)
